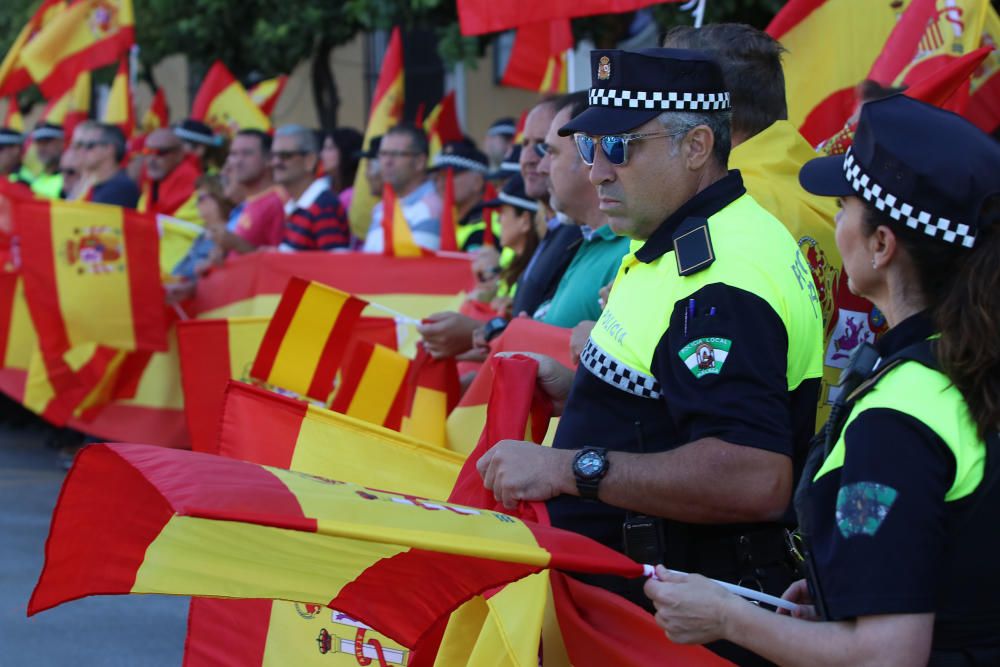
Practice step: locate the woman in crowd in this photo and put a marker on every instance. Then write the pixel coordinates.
(899, 502)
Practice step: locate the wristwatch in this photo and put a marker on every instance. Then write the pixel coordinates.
(494, 327)
(590, 465)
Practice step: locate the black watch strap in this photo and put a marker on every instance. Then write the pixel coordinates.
(587, 486)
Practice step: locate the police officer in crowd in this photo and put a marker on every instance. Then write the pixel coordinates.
(899, 501)
(694, 402)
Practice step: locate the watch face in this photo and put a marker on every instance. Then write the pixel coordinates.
(589, 464)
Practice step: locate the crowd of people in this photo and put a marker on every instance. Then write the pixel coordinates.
(660, 217)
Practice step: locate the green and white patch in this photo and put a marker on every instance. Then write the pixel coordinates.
(705, 356)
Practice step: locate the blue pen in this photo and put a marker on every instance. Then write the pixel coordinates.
(711, 312)
(689, 314)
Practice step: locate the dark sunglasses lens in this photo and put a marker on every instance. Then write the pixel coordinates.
(541, 149)
(614, 147)
(585, 145)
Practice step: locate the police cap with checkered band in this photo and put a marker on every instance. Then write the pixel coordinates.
(630, 88)
(921, 166)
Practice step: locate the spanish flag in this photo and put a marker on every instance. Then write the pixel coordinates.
(477, 17)
(13, 75)
(398, 240)
(442, 124)
(984, 91)
(266, 93)
(433, 392)
(144, 519)
(91, 276)
(158, 114)
(373, 385)
(12, 118)
(87, 35)
(119, 109)
(386, 111)
(223, 104)
(307, 339)
(72, 107)
(262, 427)
(538, 58)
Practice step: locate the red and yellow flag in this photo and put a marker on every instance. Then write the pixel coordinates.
(442, 124)
(373, 386)
(307, 339)
(386, 111)
(87, 35)
(477, 17)
(158, 114)
(72, 107)
(449, 216)
(398, 239)
(266, 93)
(91, 276)
(223, 104)
(13, 75)
(142, 519)
(119, 110)
(12, 118)
(262, 427)
(984, 91)
(433, 390)
(538, 58)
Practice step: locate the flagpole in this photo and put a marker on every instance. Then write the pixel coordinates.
(395, 313)
(743, 592)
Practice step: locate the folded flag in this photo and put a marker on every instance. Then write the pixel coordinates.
(266, 93)
(90, 276)
(118, 109)
(373, 385)
(158, 113)
(396, 230)
(145, 519)
(224, 105)
(13, 76)
(86, 35)
(307, 339)
(433, 390)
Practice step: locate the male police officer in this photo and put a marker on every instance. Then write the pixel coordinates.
(691, 411)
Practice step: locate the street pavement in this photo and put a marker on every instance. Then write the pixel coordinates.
(108, 630)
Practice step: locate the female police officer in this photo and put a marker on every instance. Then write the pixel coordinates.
(900, 505)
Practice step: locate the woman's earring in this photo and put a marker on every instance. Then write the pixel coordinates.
(874, 264)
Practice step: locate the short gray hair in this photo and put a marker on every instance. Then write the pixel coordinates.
(719, 122)
(307, 139)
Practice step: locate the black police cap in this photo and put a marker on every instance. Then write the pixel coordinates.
(511, 165)
(10, 137)
(513, 194)
(630, 88)
(461, 156)
(923, 167)
(196, 132)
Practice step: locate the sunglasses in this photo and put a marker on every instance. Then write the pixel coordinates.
(397, 154)
(160, 152)
(614, 146)
(541, 149)
(87, 145)
(286, 155)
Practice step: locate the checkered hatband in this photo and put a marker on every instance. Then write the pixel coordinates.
(617, 374)
(911, 216)
(663, 101)
(447, 160)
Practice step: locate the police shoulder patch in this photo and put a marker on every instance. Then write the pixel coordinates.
(862, 507)
(706, 356)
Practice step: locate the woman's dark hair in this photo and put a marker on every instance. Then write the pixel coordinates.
(212, 185)
(513, 271)
(349, 143)
(962, 291)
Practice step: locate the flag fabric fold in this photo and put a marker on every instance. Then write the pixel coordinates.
(223, 104)
(168, 520)
(538, 58)
(432, 392)
(386, 110)
(88, 34)
(477, 17)
(307, 339)
(266, 93)
(442, 125)
(119, 110)
(158, 114)
(373, 385)
(14, 77)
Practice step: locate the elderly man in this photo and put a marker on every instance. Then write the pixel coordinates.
(692, 407)
(314, 217)
(402, 158)
(102, 148)
(169, 184)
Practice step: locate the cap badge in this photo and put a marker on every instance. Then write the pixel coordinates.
(604, 68)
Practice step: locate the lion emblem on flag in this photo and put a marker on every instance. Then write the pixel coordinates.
(96, 250)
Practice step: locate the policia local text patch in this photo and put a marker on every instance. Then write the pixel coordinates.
(705, 356)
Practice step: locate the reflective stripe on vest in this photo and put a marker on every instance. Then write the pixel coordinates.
(929, 397)
(754, 252)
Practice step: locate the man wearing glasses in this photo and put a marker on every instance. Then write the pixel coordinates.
(402, 159)
(102, 149)
(169, 184)
(694, 402)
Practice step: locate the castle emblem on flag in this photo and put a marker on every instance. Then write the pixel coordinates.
(103, 19)
(604, 68)
(95, 250)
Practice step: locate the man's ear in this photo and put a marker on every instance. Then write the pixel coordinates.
(697, 147)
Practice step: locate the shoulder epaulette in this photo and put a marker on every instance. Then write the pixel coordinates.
(693, 246)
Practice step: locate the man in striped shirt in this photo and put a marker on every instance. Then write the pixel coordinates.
(315, 219)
